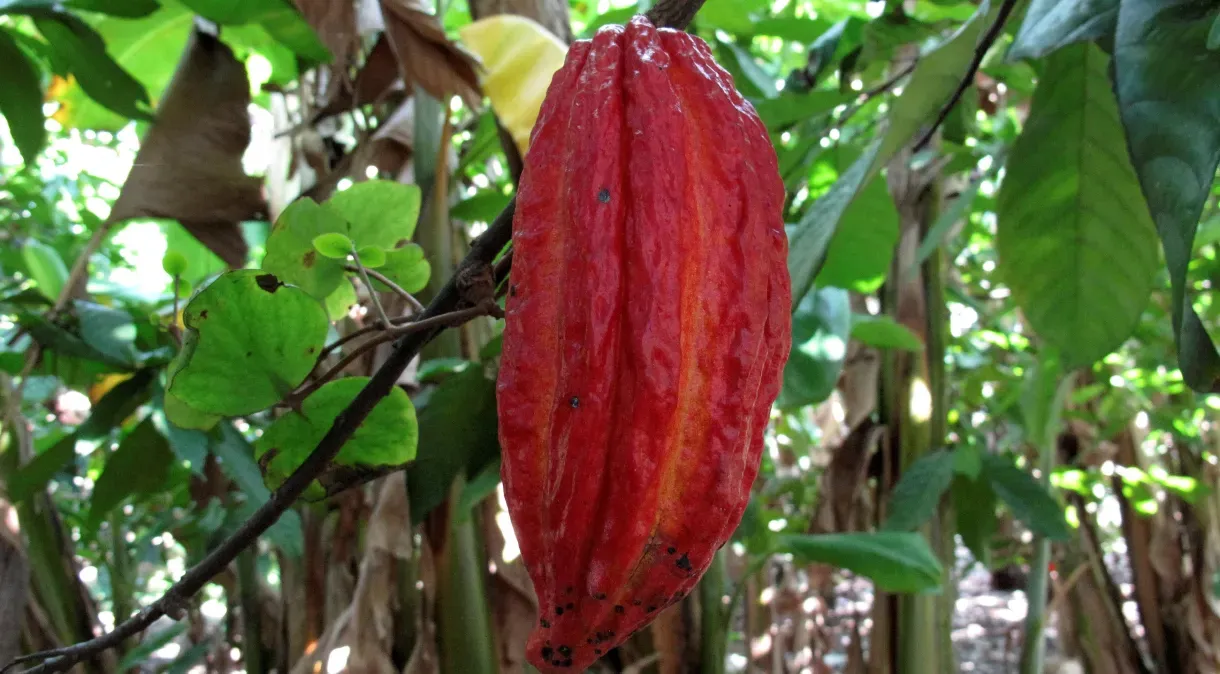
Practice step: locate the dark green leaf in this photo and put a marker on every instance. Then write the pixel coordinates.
(1051, 24)
(821, 327)
(291, 30)
(237, 461)
(480, 486)
(127, 9)
(967, 461)
(21, 99)
(1029, 501)
(386, 439)
(918, 491)
(895, 561)
(1166, 79)
(975, 502)
(140, 466)
(83, 52)
(249, 342)
(34, 475)
(884, 332)
(111, 331)
(457, 432)
(1074, 238)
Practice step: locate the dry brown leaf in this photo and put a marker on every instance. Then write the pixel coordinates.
(375, 79)
(335, 23)
(425, 54)
(189, 165)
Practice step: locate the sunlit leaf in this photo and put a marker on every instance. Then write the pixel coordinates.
(1052, 24)
(821, 327)
(231, 364)
(895, 561)
(21, 99)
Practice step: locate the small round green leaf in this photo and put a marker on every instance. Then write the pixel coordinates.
(372, 256)
(333, 245)
(45, 266)
(250, 340)
(290, 250)
(407, 267)
(387, 438)
(378, 212)
(174, 263)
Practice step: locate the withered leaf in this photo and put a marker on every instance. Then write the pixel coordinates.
(425, 54)
(189, 167)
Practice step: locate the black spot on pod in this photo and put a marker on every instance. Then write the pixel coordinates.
(684, 563)
(600, 596)
(545, 623)
(672, 550)
(565, 651)
(546, 652)
(604, 196)
(575, 402)
(558, 610)
(570, 606)
(618, 608)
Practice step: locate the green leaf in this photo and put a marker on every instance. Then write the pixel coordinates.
(812, 235)
(291, 254)
(484, 206)
(65, 343)
(45, 266)
(863, 244)
(1075, 242)
(895, 561)
(1166, 79)
(110, 331)
(291, 30)
(21, 99)
(127, 9)
(140, 466)
(967, 461)
(457, 432)
(379, 213)
(184, 416)
(174, 263)
(37, 472)
(82, 51)
(236, 458)
(407, 267)
(233, 12)
(249, 342)
(340, 302)
(190, 446)
(386, 439)
(933, 82)
(792, 29)
(371, 257)
(480, 487)
(960, 208)
(334, 245)
(1029, 501)
(821, 327)
(789, 108)
(1052, 24)
(974, 502)
(919, 490)
(884, 332)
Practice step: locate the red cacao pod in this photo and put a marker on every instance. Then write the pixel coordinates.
(646, 333)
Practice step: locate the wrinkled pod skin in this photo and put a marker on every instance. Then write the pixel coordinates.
(647, 329)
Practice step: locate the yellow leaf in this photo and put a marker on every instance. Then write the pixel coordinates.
(519, 58)
(103, 386)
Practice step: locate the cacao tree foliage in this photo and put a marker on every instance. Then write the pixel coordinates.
(155, 395)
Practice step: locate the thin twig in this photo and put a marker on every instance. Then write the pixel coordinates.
(876, 91)
(415, 305)
(980, 51)
(483, 252)
(444, 320)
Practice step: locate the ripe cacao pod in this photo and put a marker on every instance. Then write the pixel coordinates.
(647, 329)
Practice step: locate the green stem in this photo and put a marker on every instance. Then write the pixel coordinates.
(251, 611)
(364, 274)
(714, 625)
(121, 582)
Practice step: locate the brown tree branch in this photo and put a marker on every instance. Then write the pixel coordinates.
(980, 51)
(483, 252)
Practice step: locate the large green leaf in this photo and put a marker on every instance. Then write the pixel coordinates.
(249, 342)
(140, 466)
(380, 213)
(278, 17)
(895, 561)
(386, 439)
(1029, 501)
(821, 327)
(129, 9)
(1051, 24)
(863, 244)
(884, 332)
(918, 491)
(812, 235)
(1166, 80)
(457, 432)
(82, 51)
(1075, 242)
(21, 99)
(789, 108)
(974, 502)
